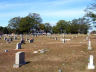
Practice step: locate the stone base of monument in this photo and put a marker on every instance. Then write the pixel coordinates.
(91, 66)
(89, 48)
(19, 65)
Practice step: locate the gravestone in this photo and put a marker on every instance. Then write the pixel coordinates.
(22, 41)
(30, 41)
(15, 37)
(19, 59)
(50, 37)
(6, 50)
(35, 52)
(86, 38)
(5, 38)
(63, 40)
(90, 64)
(89, 45)
(11, 39)
(18, 46)
(27, 39)
(59, 70)
(72, 37)
(55, 38)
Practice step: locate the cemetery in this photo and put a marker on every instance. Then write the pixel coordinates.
(54, 53)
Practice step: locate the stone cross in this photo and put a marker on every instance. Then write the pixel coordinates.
(90, 64)
(19, 59)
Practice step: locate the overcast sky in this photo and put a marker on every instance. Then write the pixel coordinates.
(51, 11)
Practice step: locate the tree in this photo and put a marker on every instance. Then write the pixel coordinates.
(25, 24)
(14, 23)
(63, 25)
(35, 20)
(48, 27)
(1, 28)
(41, 26)
(55, 29)
(91, 13)
(5, 30)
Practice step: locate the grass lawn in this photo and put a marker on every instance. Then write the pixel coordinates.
(71, 53)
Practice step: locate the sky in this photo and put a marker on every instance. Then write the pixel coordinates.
(51, 11)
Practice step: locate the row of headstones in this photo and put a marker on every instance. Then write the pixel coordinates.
(20, 60)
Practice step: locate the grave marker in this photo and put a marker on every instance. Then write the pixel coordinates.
(19, 59)
(90, 64)
(18, 46)
(89, 45)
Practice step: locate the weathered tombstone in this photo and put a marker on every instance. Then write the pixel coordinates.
(6, 50)
(18, 46)
(63, 40)
(5, 38)
(90, 64)
(22, 41)
(30, 41)
(55, 38)
(19, 59)
(50, 37)
(11, 39)
(27, 39)
(72, 37)
(35, 52)
(42, 51)
(86, 38)
(15, 37)
(59, 70)
(36, 35)
(76, 36)
(89, 45)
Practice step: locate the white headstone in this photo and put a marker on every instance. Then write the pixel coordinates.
(90, 64)
(18, 46)
(89, 45)
(63, 40)
(6, 50)
(19, 59)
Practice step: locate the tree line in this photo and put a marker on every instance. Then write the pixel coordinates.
(33, 23)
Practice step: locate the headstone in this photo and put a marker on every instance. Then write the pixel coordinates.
(50, 37)
(22, 41)
(5, 38)
(63, 40)
(90, 64)
(42, 51)
(19, 59)
(27, 39)
(11, 39)
(18, 46)
(36, 35)
(72, 37)
(86, 38)
(59, 70)
(89, 45)
(6, 50)
(30, 41)
(35, 52)
(55, 38)
(15, 37)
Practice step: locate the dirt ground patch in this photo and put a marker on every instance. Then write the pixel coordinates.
(71, 53)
